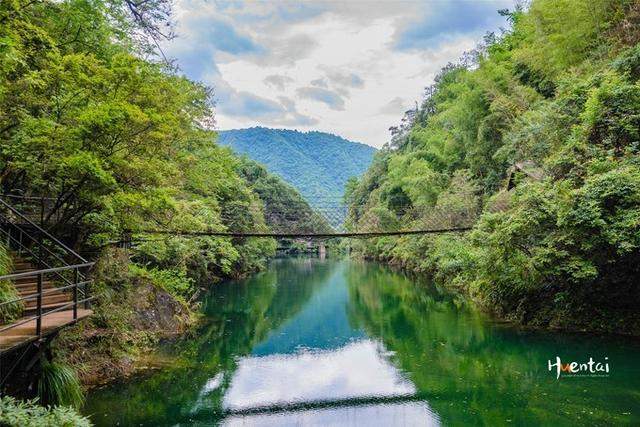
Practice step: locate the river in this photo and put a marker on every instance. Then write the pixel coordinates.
(334, 342)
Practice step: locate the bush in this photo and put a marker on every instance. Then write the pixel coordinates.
(14, 413)
(174, 281)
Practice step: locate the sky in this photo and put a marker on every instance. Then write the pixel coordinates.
(350, 68)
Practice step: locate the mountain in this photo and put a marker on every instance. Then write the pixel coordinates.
(317, 164)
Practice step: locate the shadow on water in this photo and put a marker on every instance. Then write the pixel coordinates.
(341, 342)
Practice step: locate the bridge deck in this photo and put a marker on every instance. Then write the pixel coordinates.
(26, 332)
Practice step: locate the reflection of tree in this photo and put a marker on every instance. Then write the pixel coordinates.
(471, 372)
(238, 316)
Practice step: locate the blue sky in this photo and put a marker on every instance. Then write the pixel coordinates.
(351, 68)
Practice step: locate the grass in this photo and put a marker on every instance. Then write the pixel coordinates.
(59, 385)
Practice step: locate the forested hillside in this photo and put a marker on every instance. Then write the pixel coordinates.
(317, 164)
(539, 128)
(285, 210)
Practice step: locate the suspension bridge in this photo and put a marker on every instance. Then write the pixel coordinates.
(328, 220)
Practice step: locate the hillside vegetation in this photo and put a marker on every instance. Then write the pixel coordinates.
(285, 210)
(559, 95)
(317, 164)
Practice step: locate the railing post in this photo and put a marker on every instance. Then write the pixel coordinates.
(39, 307)
(40, 252)
(42, 211)
(87, 303)
(76, 276)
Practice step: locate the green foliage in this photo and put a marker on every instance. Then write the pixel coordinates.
(284, 208)
(8, 292)
(59, 385)
(558, 34)
(175, 282)
(122, 144)
(136, 307)
(559, 93)
(14, 413)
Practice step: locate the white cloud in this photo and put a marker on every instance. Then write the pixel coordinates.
(350, 68)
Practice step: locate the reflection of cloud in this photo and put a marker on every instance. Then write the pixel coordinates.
(211, 385)
(355, 370)
(332, 99)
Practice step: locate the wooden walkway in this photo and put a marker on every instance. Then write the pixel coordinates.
(55, 305)
(26, 332)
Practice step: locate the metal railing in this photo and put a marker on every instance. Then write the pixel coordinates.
(38, 209)
(10, 218)
(53, 260)
(40, 275)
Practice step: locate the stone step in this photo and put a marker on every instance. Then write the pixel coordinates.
(32, 286)
(32, 310)
(48, 300)
(22, 265)
(47, 293)
(31, 279)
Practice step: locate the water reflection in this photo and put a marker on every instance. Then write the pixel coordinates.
(336, 342)
(356, 370)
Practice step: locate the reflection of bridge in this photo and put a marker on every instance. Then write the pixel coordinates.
(315, 405)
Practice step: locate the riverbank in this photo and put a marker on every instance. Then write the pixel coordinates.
(133, 312)
(136, 309)
(448, 261)
(533, 139)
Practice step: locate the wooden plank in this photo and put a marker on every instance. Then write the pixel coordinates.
(27, 331)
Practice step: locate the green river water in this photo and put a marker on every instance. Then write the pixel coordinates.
(339, 342)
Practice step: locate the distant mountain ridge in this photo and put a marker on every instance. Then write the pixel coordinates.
(318, 164)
